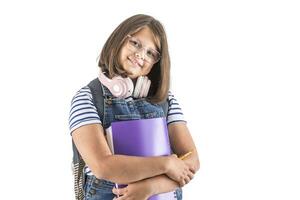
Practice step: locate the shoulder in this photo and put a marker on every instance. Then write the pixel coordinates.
(171, 97)
(84, 92)
(83, 110)
(172, 101)
(175, 113)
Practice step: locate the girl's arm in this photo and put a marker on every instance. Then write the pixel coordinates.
(162, 183)
(181, 142)
(92, 146)
(144, 189)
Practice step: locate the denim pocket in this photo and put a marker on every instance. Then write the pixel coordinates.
(97, 189)
(102, 185)
(87, 187)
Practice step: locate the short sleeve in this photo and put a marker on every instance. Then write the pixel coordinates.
(174, 111)
(83, 110)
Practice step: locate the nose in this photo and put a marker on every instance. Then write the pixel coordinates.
(140, 54)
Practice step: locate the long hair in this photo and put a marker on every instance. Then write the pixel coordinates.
(160, 72)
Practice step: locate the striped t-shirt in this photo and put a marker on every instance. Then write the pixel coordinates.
(83, 111)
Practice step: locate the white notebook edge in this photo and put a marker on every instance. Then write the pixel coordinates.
(109, 139)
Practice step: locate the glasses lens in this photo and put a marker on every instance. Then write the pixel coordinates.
(151, 55)
(134, 44)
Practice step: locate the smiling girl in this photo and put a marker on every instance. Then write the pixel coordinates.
(136, 48)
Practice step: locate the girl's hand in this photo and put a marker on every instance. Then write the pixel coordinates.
(140, 190)
(179, 171)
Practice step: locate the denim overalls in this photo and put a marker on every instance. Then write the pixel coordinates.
(115, 110)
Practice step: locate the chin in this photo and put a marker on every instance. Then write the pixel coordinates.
(132, 73)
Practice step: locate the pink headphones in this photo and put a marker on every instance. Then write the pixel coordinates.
(123, 87)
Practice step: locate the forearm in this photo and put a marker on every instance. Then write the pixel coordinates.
(161, 184)
(127, 169)
(193, 162)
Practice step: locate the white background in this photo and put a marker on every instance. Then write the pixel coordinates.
(235, 72)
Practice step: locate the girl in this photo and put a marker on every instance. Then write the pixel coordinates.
(137, 48)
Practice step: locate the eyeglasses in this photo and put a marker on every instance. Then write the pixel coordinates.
(151, 55)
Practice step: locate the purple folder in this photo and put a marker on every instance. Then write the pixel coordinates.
(144, 137)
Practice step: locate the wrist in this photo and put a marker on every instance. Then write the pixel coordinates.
(151, 188)
(166, 164)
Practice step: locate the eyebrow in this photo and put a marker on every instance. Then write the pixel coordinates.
(155, 47)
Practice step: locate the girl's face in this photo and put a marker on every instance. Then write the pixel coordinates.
(138, 53)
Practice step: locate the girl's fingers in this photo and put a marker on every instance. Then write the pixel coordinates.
(187, 180)
(119, 191)
(121, 198)
(192, 170)
(191, 175)
(182, 183)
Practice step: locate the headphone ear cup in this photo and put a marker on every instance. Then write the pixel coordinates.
(118, 86)
(147, 87)
(103, 79)
(138, 87)
(143, 87)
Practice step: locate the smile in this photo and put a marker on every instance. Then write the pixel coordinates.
(134, 62)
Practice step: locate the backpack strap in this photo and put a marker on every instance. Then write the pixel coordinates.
(98, 99)
(78, 162)
(78, 165)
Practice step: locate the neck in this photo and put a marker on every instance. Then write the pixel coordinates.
(134, 80)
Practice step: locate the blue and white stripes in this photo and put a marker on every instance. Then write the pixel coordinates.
(174, 112)
(83, 110)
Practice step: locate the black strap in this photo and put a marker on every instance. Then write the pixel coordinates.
(98, 99)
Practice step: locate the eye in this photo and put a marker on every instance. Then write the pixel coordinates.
(135, 43)
(151, 54)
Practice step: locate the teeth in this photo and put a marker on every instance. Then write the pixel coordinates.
(134, 62)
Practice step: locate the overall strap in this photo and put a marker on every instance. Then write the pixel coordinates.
(165, 107)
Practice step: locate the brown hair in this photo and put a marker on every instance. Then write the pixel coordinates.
(160, 72)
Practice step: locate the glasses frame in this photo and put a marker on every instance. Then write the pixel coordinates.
(144, 48)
